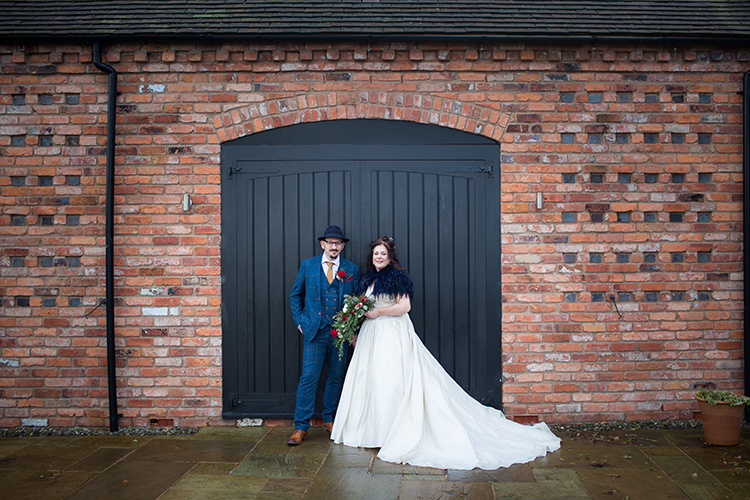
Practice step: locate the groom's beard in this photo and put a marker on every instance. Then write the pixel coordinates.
(332, 253)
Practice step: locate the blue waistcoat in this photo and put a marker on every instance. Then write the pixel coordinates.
(330, 299)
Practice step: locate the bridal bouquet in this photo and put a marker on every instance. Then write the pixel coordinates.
(346, 323)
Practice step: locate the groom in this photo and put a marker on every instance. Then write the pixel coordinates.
(317, 295)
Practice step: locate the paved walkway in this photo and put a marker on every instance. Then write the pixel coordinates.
(256, 463)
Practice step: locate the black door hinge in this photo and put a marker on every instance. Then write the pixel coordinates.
(488, 168)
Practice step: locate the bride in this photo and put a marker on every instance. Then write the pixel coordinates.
(398, 398)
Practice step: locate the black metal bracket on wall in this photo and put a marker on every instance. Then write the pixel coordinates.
(614, 301)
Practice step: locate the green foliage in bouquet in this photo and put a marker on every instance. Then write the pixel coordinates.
(347, 322)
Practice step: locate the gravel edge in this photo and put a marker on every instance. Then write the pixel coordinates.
(629, 426)
(96, 431)
(189, 431)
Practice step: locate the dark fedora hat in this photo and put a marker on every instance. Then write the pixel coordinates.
(334, 232)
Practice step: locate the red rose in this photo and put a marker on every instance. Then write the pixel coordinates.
(334, 333)
(362, 298)
(342, 274)
(345, 318)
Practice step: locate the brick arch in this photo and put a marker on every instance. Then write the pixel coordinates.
(258, 117)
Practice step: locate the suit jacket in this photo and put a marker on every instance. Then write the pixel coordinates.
(307, 292)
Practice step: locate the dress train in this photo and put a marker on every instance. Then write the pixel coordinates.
(397, 397)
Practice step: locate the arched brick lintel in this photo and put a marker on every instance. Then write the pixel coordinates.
(267, 115)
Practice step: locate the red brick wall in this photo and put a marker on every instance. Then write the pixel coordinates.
(636, 149)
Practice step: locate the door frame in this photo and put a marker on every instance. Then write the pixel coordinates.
(358, 139)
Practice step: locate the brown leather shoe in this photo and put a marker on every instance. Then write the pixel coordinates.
(328, 426)
(297, 437)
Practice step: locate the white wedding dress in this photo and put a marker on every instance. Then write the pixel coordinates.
(398, 398)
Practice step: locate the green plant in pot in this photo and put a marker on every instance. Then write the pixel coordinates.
(721, 412)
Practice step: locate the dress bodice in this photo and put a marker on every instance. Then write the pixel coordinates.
(382, 300)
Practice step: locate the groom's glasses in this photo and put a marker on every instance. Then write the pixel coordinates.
(335, 243)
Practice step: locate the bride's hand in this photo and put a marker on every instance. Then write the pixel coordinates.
(372, 313)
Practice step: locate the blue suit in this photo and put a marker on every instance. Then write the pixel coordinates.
(308, 299)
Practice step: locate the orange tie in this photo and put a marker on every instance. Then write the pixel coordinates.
(329, 274)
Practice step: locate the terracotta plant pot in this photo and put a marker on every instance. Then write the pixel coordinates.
(721, 422)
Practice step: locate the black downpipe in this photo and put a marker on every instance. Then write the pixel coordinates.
(746, 227)
(109, 235)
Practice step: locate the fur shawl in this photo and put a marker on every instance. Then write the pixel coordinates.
(389, 281)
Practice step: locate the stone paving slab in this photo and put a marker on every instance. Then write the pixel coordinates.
(519, 473)
(430, 490)
(113, 441)
(190, 450)
(213, 468)
(560, 483)
(516, 490)
(196, 487)
(9, 446)
(684, 470)
(381, 467)
(245, 434)
(38, 485)
(616, 484)
(736, 477)
(100, 460)
(40, 457)
(133, 480)
(607, 438)
(351, 483)
(346, 456)
(284, 488)
(662, 451)
(279, 465)
(720, 457)
(256, 463)
(579, 455)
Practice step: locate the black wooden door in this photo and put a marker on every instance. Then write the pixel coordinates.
(435, 191)
(270, 223)
(435, 212)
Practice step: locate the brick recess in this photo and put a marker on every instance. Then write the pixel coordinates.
(603, 134)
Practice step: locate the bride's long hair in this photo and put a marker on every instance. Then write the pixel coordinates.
(390, 246)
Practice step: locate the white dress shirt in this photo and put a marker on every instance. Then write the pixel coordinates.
(335, 265)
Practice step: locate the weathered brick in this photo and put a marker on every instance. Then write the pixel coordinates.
(568, 355)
